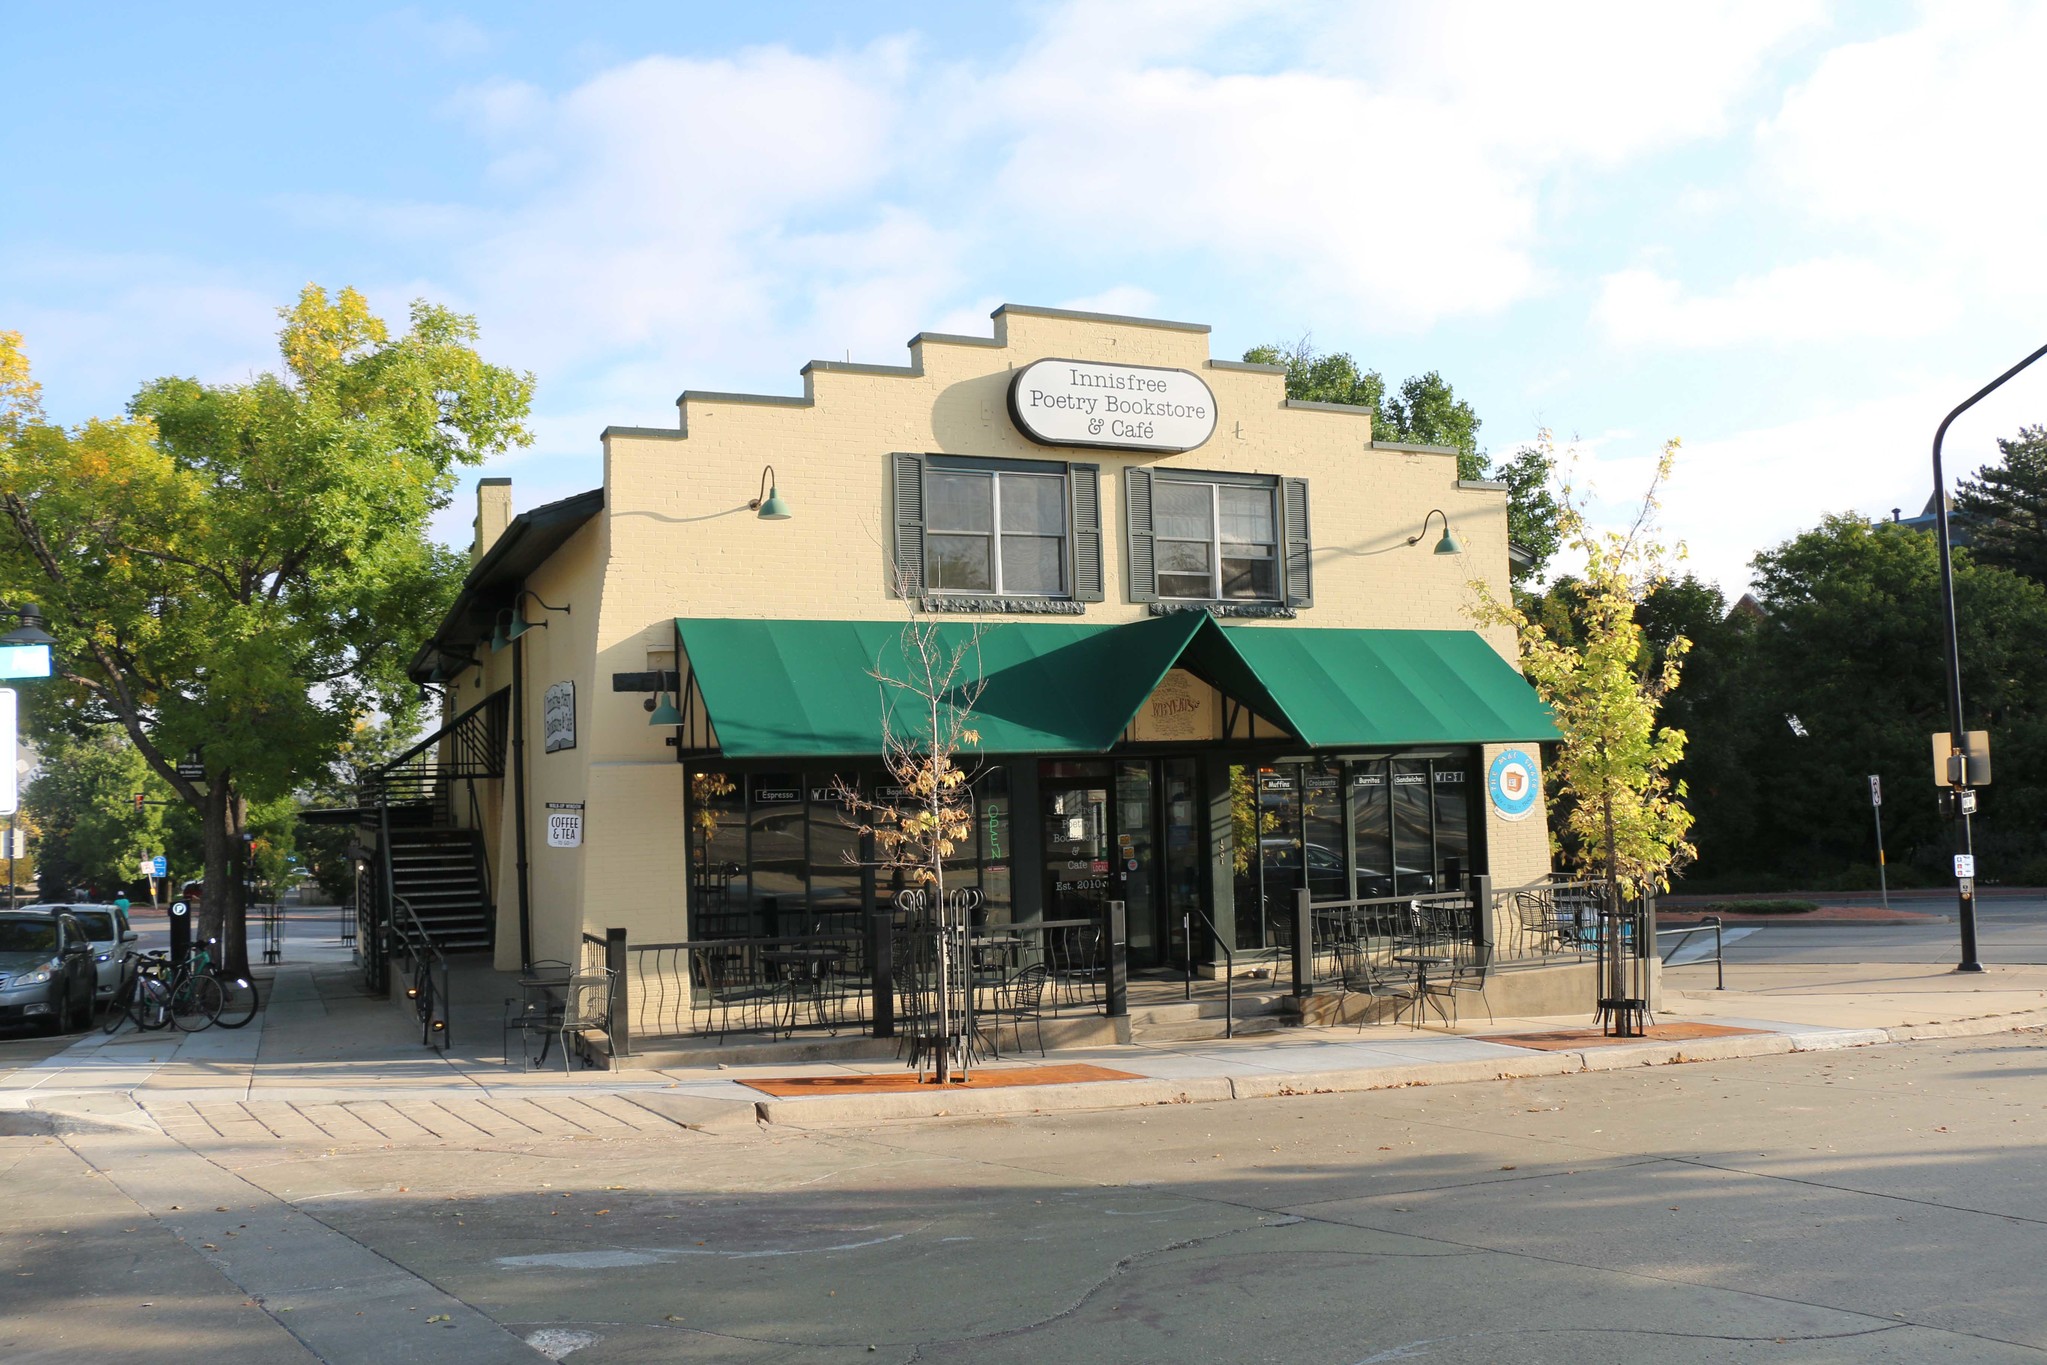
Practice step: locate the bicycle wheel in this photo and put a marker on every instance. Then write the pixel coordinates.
(120, 1005)
(196, 1002)
(151, 1004)
(239, 1004)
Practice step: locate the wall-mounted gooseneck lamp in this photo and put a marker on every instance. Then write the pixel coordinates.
(665, 712)
(512, 622)
(770, 505)
(1448, 545)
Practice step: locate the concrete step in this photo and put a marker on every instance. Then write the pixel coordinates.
(1197, 1030)
(1187, 1011)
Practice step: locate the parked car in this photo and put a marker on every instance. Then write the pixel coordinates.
(107, 927)
(46, 971)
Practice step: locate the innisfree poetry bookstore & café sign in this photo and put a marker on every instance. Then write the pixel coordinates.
(1117, 407)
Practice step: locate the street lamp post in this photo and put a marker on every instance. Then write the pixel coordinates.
(1958, 736)
(24, 653)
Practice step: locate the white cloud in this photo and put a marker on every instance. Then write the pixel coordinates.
(1836, 297)
(1730, 496)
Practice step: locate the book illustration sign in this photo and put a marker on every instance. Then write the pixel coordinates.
(558, 716)
(1511, 784)
(565, 824)
(1120, 407)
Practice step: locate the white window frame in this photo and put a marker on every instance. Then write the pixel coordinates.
(994, 533)
(1215, 542)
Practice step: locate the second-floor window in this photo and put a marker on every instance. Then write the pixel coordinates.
(1216, 541)
(995, 532)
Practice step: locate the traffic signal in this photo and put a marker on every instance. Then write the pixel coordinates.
(138, 803)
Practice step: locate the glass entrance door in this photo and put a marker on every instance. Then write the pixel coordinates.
(1133, 860)
(1077, 816)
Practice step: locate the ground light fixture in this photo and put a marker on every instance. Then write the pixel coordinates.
(1449, 544)
(503, 634)
(770, 506)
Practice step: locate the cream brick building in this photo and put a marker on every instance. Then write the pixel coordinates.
(1264, 614)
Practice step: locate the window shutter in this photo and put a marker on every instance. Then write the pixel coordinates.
(909, 491)
(1085, 483)
(1300, 579)
(1144, 581)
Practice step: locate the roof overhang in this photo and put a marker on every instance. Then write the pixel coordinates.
(527, 542)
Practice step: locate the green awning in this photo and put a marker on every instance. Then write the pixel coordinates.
(786, 689)
(1336, 688)
(799, 689)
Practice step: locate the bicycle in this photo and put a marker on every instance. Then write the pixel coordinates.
(239, 1002)
(143, 995)
(196, 995)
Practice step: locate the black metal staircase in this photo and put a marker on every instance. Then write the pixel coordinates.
(422, 854)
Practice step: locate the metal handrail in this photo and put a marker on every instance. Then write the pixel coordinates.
(1683, 932)
(1229, 966)
(430, 999)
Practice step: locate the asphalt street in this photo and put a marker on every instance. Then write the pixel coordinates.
(1875, 1205)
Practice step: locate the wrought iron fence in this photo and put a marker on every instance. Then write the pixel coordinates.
(876, 977)
(1359, 945)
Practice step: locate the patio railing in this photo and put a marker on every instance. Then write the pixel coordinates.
(837, 980)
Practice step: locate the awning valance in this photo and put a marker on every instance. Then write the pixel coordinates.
(797, 689)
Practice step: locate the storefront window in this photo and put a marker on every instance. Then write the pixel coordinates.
(1371, 824)
(1322, 830)
(1453, 825)
(1414, 860)
(781, 854)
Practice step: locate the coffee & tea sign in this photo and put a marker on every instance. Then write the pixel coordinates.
(1120, 407)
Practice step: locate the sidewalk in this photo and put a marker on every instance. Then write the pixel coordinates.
(324, 1061)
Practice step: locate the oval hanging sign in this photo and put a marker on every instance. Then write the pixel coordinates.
(1121, 407)
(1511, 783)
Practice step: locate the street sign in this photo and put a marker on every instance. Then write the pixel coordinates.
(1965, 864)
(1876, 790)
(192, 772)
(1949, 768)
(179, 909)
(24, 661)
(159, 866)
(149, 867)
(10, 776)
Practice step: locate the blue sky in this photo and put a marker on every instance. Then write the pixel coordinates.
(1792, 234)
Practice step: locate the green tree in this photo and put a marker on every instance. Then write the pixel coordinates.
(324, 849)
(1616, 808)
(1534, 524)
(83, 802)
(239, 572)
(1849, 642)
(2007, 506)
(1427, 411)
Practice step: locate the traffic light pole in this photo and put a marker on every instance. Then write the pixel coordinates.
(1958, 735)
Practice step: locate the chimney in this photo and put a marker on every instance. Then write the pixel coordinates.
(493, 515)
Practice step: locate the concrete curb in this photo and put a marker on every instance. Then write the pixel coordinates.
(97, 1114)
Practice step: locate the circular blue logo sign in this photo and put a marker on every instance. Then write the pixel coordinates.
(1511, 784)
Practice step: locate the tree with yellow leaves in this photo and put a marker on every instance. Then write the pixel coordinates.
(238, 573)
(1610, 781)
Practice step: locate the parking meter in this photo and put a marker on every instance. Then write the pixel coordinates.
(181, 931)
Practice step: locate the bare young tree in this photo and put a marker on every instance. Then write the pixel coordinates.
(929, 687)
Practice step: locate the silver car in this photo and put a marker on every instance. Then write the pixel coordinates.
(46, 971)
(107, 927)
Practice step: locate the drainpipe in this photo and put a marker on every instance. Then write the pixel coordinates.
(519, 796)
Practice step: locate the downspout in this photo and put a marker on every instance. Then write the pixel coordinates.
(519, 797)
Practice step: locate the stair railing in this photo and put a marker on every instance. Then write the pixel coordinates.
(426, 972)
(1229, 965)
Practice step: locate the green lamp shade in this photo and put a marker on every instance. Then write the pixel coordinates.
(666, 713)
(497, 637)
(520, 626)
(774, 509)
(1448, 544)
